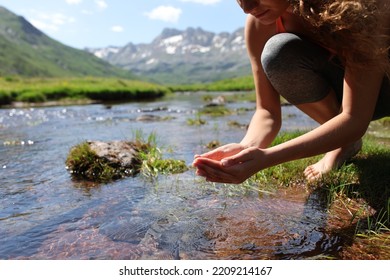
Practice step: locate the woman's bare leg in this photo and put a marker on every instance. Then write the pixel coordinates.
(322, 111)
(300, 71)
(332, 160)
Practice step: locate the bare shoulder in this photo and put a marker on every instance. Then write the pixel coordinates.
(256, 35)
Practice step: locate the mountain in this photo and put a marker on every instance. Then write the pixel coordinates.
(26, 51)
(192, 55)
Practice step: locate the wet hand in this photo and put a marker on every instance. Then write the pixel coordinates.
(234, 169)
(222, 152)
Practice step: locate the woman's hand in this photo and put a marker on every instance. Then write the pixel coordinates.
(225, 166)
(222, 152)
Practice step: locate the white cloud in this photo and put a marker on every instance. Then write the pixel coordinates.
(117, 28)
(50, 21)
(43, 26)
(87, 12)
(102, 4)
(204, 2)
(165, 13)
(73, 2)
(58, 19)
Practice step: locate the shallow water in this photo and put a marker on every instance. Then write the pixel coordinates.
(45, 214)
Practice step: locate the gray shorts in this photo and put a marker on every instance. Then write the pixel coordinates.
(303, 72)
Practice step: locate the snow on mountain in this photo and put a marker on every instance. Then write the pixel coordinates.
(176, 56)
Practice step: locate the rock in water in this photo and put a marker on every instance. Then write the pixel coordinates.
(118, 153)
(105, 161)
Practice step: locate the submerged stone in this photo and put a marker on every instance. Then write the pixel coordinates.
(148, 118)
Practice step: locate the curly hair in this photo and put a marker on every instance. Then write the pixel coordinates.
(352, 28)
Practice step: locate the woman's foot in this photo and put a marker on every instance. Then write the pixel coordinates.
(332, 160)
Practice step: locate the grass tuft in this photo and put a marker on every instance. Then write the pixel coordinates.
(84, 163)
(152, 161)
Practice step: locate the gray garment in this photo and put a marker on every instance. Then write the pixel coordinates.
(303, 72)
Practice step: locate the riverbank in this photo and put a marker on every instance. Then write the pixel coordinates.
(17, 91)
(25, 92)
(356, 197)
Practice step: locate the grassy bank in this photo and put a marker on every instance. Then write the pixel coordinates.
(234, 84)
(73, 90)
(35, 90)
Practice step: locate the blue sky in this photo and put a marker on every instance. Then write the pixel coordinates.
(102, 23)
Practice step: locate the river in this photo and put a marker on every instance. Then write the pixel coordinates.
(46, 214)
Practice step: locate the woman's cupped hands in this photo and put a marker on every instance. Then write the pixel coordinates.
(232, 163)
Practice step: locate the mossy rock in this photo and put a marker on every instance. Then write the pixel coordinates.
(105, 161)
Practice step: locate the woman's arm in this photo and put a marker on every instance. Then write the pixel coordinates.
(361, 88)
(266, 120)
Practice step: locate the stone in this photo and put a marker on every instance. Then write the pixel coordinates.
(120, 153)
(217, 101)
(148, 118)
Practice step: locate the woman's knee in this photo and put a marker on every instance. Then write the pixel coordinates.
(292, 66)
(279, 52)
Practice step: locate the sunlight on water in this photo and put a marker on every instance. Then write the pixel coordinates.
(45, 214)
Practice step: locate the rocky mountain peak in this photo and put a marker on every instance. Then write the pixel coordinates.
(183, 56)
(168, 32)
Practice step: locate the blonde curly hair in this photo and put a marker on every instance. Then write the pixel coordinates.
(352, 28)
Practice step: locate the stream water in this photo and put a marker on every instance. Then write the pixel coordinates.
(45, 214)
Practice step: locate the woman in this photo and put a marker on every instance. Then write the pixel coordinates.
(327, 57)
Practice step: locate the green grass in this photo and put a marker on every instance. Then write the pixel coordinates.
(197, 121)
(36, 90)
(152, 161)
(13, 89)
(216, 111)
(234, 84)
(364, 181)
(365, 178)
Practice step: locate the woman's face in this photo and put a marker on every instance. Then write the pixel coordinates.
(266, 11)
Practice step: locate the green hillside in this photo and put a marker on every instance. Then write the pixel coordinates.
(26, 51)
